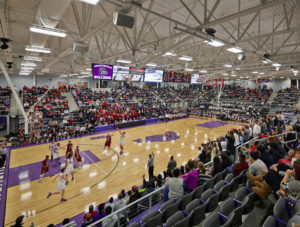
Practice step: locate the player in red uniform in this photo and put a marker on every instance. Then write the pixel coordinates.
(78, 156)
(45, 168)
(69, 148)
(108, 141)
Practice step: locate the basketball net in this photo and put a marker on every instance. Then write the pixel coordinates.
(219, 83)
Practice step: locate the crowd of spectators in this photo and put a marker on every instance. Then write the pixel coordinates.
(286, 99)
(5, 94)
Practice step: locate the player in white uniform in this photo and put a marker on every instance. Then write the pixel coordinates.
(56, 155)
(122, 141)
(61, 185)
(69, 167)
(52, 147)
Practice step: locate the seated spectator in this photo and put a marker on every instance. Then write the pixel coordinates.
(202, 176)
(226, 163)
(265, 156)
(276, 150)
(135, 195)
(256, 166)
(92, 212)
(101, 213)
(120, 204)
(111, 220)
(190, 181)
(175, 185)
(111, 204)
(217, 166)
(242, 165)
(88, 220)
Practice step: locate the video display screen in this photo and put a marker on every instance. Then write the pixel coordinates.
(170, 76)
(102, 71)
(198, 79)
(121, 73)
(153, 75)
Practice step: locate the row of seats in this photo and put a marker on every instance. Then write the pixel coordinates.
(192, 208)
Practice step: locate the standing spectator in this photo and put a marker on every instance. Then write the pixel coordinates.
(223, 145)
(151, 166)
(202, 176)
(246, 133)
(172, 163)
(190, 181)
(3, 153)
(120, 204)
(175, 185)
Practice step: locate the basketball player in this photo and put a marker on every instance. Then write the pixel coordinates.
(78, 156)
(69, 148)
(69, 167)
(61, 185)
(45, 168)
(51, 148)
(108, 141)
(122, 141)
(56, 155)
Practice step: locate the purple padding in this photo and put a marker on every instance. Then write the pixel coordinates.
(212, 124)
(104, 128)
(153, 120)
(31, 172)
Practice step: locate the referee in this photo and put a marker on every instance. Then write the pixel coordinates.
(150, 166)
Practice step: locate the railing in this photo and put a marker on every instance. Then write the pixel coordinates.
(243, 147)
(137, 207)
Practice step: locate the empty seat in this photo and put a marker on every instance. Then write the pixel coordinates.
(271, 221)
(170, 210)
(217, 220)
(149, 215)
(192, 205)
(186, 200)
(294, 219)
(198, 214)
(209, 184)
(134, 224)
(241, 194)
(225, 192)
(175, 218)
(212, 199)
(218, 177)
(234, 184)
(282, 210)
(166, 204)
(229, 177)
(154, 221)
(198, 191)
(224, 174)
(184, 222)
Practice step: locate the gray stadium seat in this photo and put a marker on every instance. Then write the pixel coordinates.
(154, 221)
(249, 203)
(175, 218)
(241, 194)
(213, 201)
(218, 177)
(134, 224)
(235, 184)
(297, 207)
(198, 214)
(217, 220)
(294, 219)
(269, 222)
(186, 200)
(224, 174)
(225, 192)
(209, 184)
(166, 204)
(219, 185)
(208, 193)
(149, 215)
(184, 222)
(192, 205)
(170, 210)
(229, 177)
(198, 191)
(281, 210)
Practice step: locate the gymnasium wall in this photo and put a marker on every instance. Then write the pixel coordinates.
(277, 85)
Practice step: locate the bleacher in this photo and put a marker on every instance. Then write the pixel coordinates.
(5, 94)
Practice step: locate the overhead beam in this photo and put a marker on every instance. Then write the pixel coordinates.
(211, 13)
(191, 12)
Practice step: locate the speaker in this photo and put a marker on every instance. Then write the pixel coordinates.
(123, 20)
(81, 47)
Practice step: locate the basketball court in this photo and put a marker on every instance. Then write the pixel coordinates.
(104, 173)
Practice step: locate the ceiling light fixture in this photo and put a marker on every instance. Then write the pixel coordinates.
(227, 65)
(235, 50)
(48, 31)
(214, 43)
(92, 2)
(151, 64)
(276, 64)
(277, 68)
(261, 73)
(85, 73)
(32, 58)
(189, 70)
(27, 68)
(203, 71)
(169, 54)
(88, 69)
(38, 49)
(185, 58)
(32, 64)
(234, 75)
(225, 74)
(124, 61)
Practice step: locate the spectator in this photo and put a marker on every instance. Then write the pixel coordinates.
(101, 213)
(65, 221)
(92, 212)
(256, 166)
(172, 163)
(223, 145)
(111, 204)
(19, 221)
(3, 153)
(242, 165)
(175, 185)
(120, 204)
(111, 220)
(190, 181)
(150, 166)
(265, 156)
(216, 166)
(226, 163)
(202, 176)
(88, 220)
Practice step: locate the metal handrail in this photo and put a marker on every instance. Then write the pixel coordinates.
(122, 210)
(256, 139)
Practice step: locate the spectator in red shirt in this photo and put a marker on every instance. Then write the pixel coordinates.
(240, 166)
(254, 147)
(91, 211)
